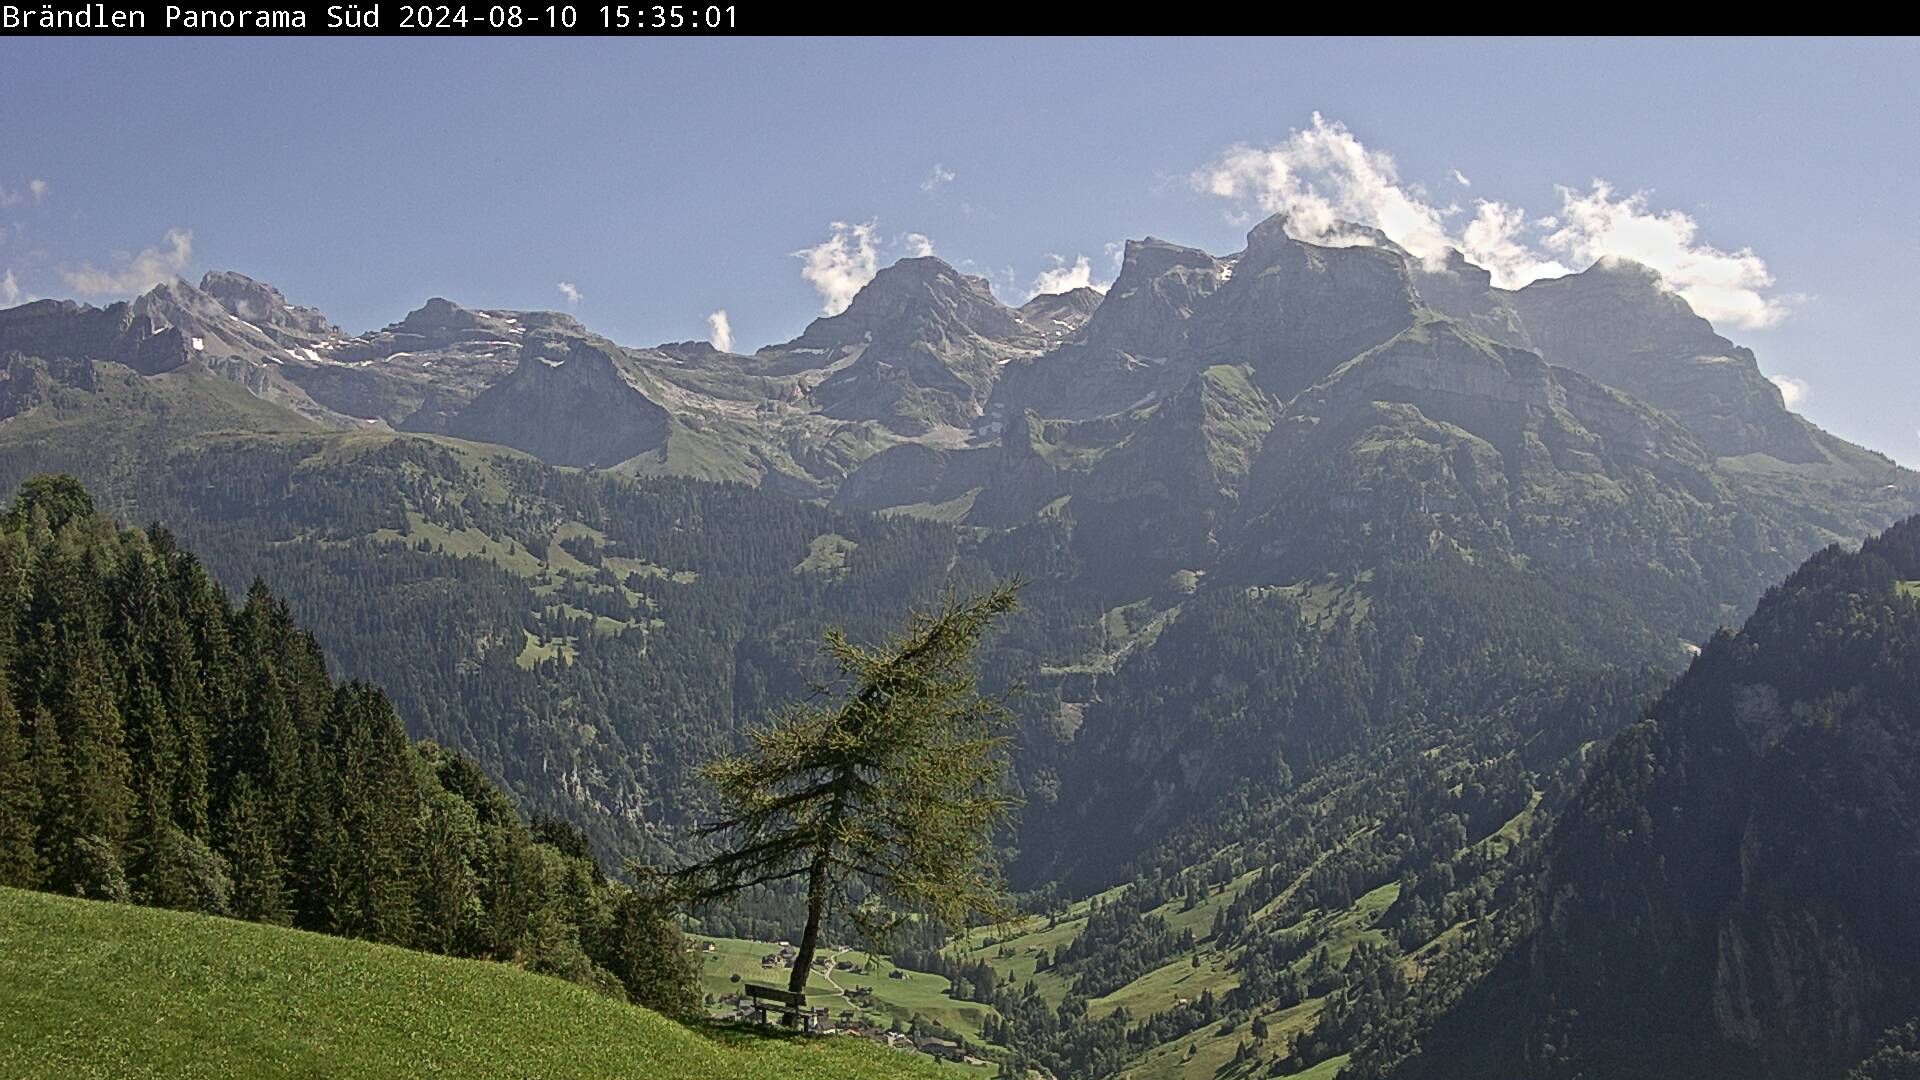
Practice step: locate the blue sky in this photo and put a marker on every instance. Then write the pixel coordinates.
(665, 181)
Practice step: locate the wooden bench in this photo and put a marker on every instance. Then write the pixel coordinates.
(791, 1007)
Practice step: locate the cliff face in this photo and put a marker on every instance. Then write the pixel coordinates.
(263, 306)
(1618, 323)
(62, 329)
(1292, 312)
(1731, 893)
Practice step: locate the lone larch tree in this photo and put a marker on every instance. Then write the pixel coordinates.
(892, 776)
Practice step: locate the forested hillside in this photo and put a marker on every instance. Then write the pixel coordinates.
(160, 746)
(1730, 893)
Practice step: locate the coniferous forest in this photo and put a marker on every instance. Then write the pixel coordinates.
(160, 745)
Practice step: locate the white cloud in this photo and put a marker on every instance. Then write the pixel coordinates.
(1065, 277)
(917, 244)
(1792, 391)
(1461, 179)
(1723, 286)
(1493, 240)
(571, 291)
(9, 290)
(1324, 177)
(940, 175)
(34, 192)
(720, 331)
(137, 273)
(840, 265)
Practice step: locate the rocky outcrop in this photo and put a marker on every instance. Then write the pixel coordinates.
(261, 304)
(1058, 317)
(1441, 438)
(570, 402)
(1620, 324)
(62, 329)
(1131, 351)
(1464, 293)
(1293, 311)
(926, 343)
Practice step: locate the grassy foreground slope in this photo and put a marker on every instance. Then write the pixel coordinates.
(107, 990)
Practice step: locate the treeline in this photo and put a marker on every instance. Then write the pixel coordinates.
(160, 746)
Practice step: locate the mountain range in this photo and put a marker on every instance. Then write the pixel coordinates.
(1345, 566)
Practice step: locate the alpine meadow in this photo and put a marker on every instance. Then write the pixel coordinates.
(1399, 634)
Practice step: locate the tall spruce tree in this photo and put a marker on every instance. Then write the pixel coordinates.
(893, 778)
(19, 800)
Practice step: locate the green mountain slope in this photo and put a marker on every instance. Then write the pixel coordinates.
(1731, 893)
(96, 990)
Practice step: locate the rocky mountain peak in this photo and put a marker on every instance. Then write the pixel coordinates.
(1624, 289)
(1160, 284)
(1620, 323)
(913, 298)
(1469, 275)
(570, 402)
(1082, 300)
(1293, 311)
(177, 297)
(438, 314)
(1269, 232)
(263, 305)
(1144, 260)
(926, 344)
(1061, 315)
(200, 318)
(1273, 233)
(118, 333)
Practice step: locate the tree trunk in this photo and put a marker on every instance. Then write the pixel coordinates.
(810, 939)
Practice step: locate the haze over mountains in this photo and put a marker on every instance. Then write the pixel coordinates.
(1343, 564)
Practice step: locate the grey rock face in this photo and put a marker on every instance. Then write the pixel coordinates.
(1618, 323)
(925, 342)
(64, 329)
(569, 403)
(262, 305)
(1059, 316)
(1294, 311)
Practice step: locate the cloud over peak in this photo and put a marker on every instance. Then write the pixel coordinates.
(720, 331)
(571, 291)
(839, 266)
(135, 273)
(1324, 178)
(1065, 276)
